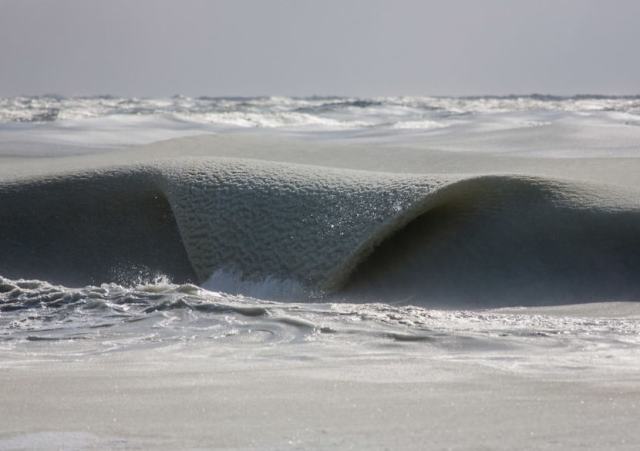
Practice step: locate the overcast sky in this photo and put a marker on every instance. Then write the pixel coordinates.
(306, 47)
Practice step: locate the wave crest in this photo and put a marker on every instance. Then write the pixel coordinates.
(281, 230)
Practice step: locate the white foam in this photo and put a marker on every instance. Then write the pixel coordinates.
(418, 125)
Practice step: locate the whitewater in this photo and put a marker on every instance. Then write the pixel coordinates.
(312, 273)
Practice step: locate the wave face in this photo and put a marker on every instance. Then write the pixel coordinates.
(431, 240)
(89, 228)
(553, 126)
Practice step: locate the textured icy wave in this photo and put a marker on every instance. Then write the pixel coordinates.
(420, 239)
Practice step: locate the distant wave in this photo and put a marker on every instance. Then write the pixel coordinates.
(585, 126)
(342, 110)
(420, 239)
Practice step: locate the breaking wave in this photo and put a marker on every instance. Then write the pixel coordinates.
(294, 232)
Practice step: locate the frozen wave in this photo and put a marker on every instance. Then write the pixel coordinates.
(280, 229)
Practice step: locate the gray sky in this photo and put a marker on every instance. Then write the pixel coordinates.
(305, 47)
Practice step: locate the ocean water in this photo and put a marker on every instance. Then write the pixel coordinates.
(79, 124)
(486, 229)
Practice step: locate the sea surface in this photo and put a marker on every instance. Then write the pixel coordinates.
(66, 123)
(500, 230)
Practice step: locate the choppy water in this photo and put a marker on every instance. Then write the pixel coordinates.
(327, 112)
(36, 315)
(107, 121)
